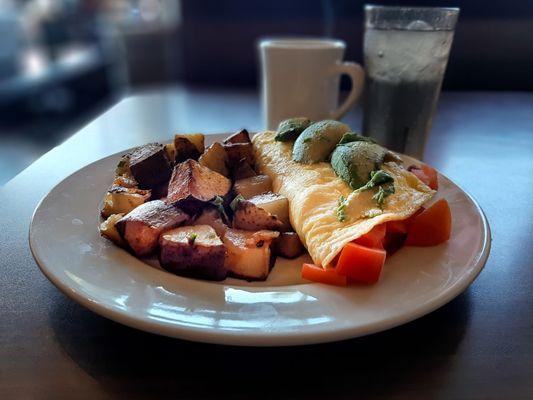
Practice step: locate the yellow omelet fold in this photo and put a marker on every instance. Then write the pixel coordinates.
(313, 192)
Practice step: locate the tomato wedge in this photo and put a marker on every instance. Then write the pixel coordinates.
(420, 175)
(432, 226)
(426, 174)
(397, 226)
(432, 175)
(402, 226)
(374, 238)
(361, 264)
(393, 242)
(329, 276)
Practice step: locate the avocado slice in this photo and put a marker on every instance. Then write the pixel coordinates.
(354, 161)
(355, 137)
(290, 129)
(317, 141)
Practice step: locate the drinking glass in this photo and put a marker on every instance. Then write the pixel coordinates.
(406, 51)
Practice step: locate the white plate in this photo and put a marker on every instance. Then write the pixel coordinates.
(283, 310)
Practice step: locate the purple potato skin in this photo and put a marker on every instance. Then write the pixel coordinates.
(149, 165)
(205, 262)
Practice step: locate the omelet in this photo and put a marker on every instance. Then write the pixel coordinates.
(314, 190)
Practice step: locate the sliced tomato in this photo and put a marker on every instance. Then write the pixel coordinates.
(329, 276)
(402, 226)
(361, 264)
(420, 174)
(432, 176)
(374, 238)
(393, 242)
(397, 233)
(432, 226)
(397, 226)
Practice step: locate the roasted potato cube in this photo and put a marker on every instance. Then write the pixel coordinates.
(125, 181)
(192, 184)
(121, 200)
(288, 245)
(274, 204)
(211, 216)
(238, 151)
(141, 228)
(170, 149)
(241, 136)
(253, 186)
(242, 170)
(248, 253)
(109, 230)
(149, 165)
(184, 150)
(216, 159)
(160, 191)
(193, 251)
(123, 167)
(248, 216)
(197, 139)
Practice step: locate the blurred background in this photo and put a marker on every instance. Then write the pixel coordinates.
(62, 62)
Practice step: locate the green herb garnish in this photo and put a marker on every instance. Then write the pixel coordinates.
(382, 193)
(235, 202)
(341, 208)
(385, 184)
(377, 178)
(192, 238)
(218, 202)
(307, 140)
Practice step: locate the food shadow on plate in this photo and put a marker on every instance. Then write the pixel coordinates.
(129, 362)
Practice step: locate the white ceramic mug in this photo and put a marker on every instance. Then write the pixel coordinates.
(300, 77)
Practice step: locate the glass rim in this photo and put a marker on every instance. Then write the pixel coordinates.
(400, 18)
(453, 10)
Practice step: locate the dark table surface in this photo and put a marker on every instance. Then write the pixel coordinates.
(478, 346)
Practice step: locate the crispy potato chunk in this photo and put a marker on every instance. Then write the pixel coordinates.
(241, 136)
(248, 253)
(141, 228)
(216, 159)
(192, 183)
(242, 170)
(288, 245)
(170, 149)
(122, 200)
(125, 181)
(212, 217)
(193, 251)
(109, 230)
(250, 217)
(253, 186)
(149, 165)
(274, 204)
(184, 149)
(198, 139)
(238, 151)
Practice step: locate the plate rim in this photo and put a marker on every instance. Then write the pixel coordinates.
(268, 338)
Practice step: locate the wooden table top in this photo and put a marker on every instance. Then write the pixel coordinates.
(479, 346)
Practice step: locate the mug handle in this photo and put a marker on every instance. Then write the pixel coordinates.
(357, 76)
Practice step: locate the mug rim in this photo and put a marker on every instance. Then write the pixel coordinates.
(302, 43)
